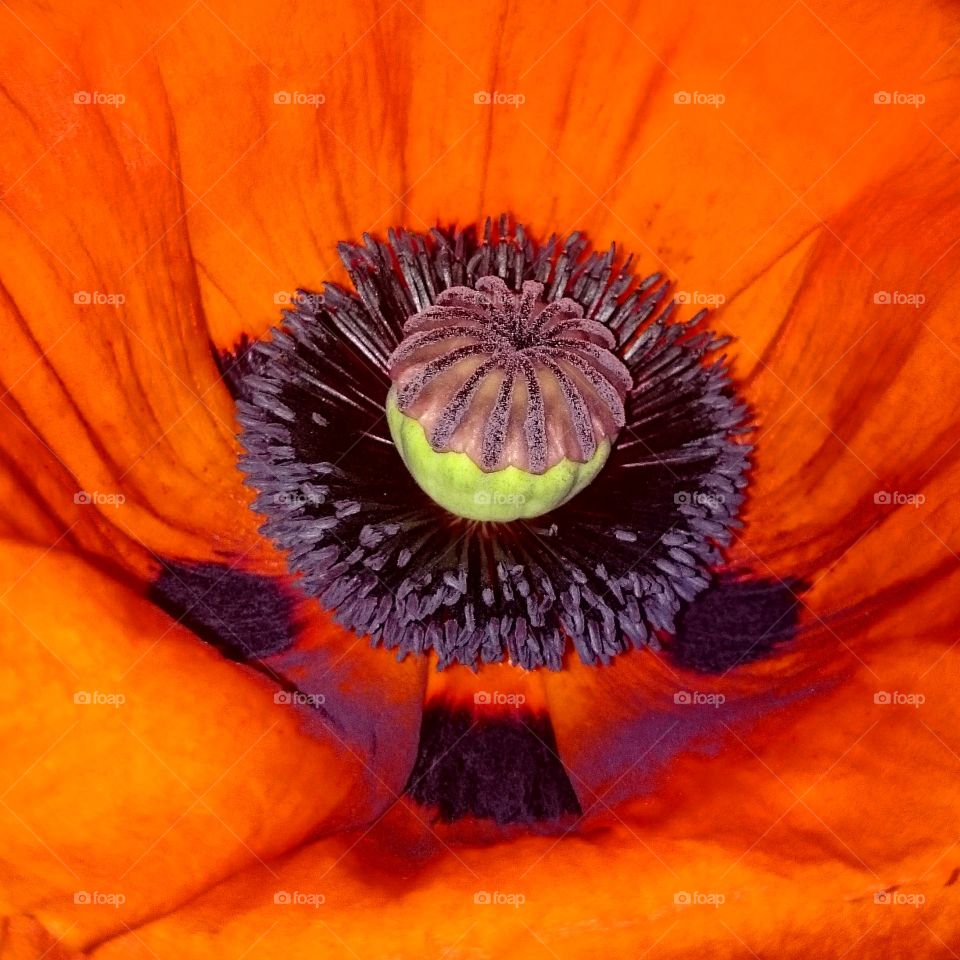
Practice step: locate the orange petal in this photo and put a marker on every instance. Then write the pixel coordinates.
(856, 464)
(138, 765)
(761, 849)
(41, 489)
(374, 702)
(857, 453)
(118, 434)
(23, 938)
(712, 195)
(106, 361)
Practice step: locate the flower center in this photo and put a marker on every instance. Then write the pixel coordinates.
(511, 373)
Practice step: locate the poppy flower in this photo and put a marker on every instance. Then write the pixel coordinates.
(275, 664)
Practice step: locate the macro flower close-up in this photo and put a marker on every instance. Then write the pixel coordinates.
(479, 481)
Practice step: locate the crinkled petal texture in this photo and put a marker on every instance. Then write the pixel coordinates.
(863, 436)
(828, 831)
(118, 432)
(123, 397)
(818, 199)
(138, 764)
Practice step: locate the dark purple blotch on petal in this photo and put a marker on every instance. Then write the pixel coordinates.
(246, 616)
(503, 767)
(736, 621)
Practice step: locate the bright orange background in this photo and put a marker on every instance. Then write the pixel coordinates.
(202, 201)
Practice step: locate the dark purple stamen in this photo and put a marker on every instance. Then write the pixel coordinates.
(607, 571)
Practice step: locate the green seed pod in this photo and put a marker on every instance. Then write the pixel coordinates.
(504, 407)
(455, 482)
